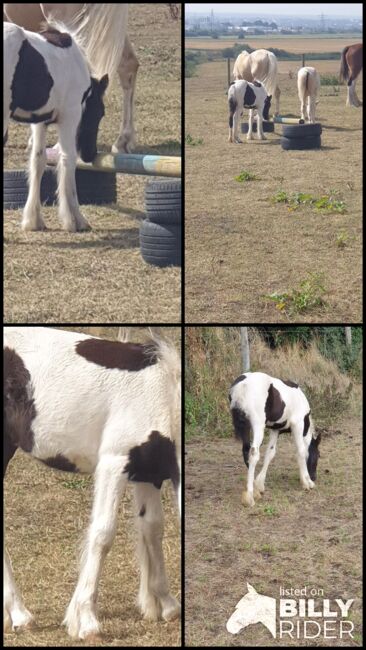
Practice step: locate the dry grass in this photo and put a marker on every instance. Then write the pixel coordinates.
(100, 276)
(295, 44)
(239, 245)
(289, 539)
(47, 513)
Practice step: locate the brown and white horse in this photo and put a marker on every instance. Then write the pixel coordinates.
(351, 66)
(102, 28)
(260, 65)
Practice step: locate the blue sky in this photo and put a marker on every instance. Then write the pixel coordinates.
(282, 8)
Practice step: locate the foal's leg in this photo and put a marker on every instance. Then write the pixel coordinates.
(277, 98)
(32, 219)
(270, 454)
(110, 484)
(154, 598)
(127, 72)
(250, 124)
(258, 430)
(68, 210)
(302, 446)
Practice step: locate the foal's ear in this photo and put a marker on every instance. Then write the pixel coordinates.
(103, 84)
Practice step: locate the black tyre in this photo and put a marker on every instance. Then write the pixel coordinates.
(301, 130)
(92, 187)
(163, 201)
(268, 127)
(161, 245)
(312, 142)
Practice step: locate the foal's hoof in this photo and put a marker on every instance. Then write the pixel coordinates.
(247, 499)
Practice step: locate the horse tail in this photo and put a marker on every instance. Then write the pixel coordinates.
(242, 430)
(344, 71)
(270, 79)
(100, 30)
(307, 81)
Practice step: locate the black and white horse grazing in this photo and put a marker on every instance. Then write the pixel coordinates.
(243, 94)
(83, 404)
(47, 80)
(258, 401)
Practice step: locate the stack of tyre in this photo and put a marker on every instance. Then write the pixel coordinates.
(161, 231)
(301, 136)
(268, 127)
(93, 187)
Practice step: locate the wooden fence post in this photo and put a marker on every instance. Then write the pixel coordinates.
(228, 72)
(303, 60)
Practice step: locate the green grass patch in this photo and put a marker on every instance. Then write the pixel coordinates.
(329, 203)
(192, 141)
(246, 176)
(308, 296)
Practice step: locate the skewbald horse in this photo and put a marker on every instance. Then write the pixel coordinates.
(351, 66)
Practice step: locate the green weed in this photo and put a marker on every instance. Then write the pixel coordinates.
(307, 297)
(193, 141)
(246, 176)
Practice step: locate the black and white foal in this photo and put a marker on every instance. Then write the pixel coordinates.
(243, 94)
(83, 404)
(258, 401)
(47, 80)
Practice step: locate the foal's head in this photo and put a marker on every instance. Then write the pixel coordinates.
(93, 111)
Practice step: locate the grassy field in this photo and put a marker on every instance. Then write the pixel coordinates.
(290, 538)
(296, 44)
(45, 554)
(241, 246)
(100, 275)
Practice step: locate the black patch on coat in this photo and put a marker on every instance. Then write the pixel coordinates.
(242, 431)
(232, 107)
(153, 461)
(249, 97)
(306, 423)
(290, 383)
(19, 409)
(313, 456)
(142, 511)
(114, 354)
(266, 107)
(32, 81)
(277, 425)
(60, 462)
(257, 84)
(35, 118)
(287, 430)
(238, 379)
(93, 111)
(59, 39)
(274, 406)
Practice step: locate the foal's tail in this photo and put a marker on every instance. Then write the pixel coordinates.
(171, 363)
(241, 430)
(344, 71)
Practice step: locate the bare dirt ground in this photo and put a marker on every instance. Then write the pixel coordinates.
(240, 246)
(100, 276)
(288, 539)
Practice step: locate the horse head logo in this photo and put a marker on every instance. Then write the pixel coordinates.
(253, 608)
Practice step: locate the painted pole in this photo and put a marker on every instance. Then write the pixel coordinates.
(128, 163)
(287, 120)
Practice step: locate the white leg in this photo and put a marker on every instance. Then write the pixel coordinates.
(236, 126)
(127, 72)
(68, 210)
(302, 109)
(302, 445)
(32, 219)
(269, 456)
(250, 125)
(16, 614)
(258, 431)
(154, 598)
(110, 484)
(260, 133)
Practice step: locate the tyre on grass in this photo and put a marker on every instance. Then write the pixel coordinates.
(161, 245)
(301, 130)
(312, 142)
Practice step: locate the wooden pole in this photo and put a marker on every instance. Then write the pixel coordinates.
(303, 60)
(228, 72)
(245, 352)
